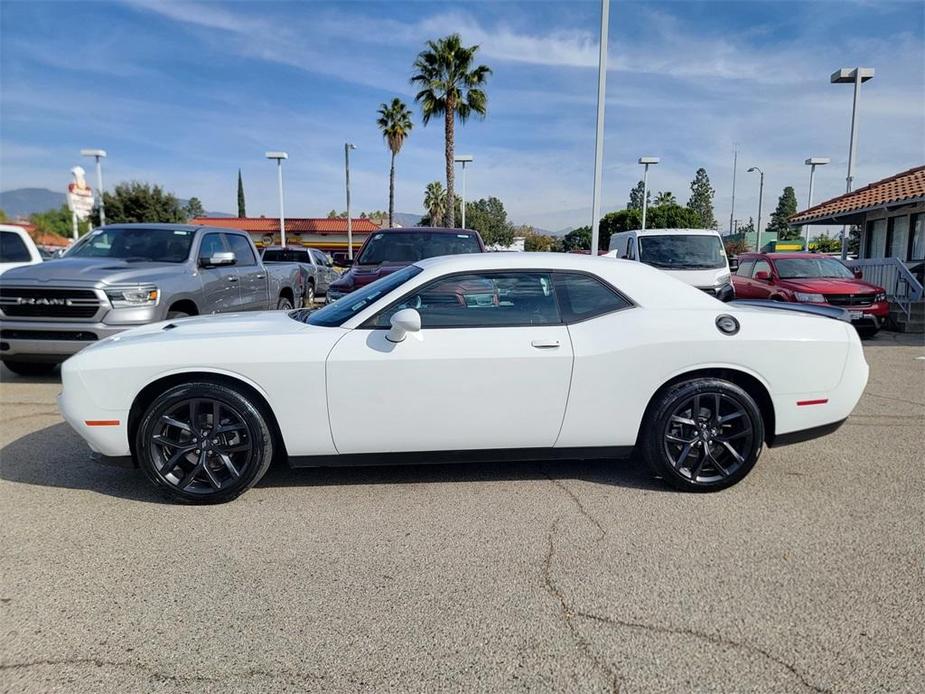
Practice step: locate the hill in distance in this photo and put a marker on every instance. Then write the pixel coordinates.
(22, 202)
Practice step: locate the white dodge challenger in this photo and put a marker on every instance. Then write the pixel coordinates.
(489, 357)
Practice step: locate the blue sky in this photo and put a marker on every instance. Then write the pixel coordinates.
(183, 94)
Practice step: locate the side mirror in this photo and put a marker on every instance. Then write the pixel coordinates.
(733, 264)
(857, 272)
(762, 276)
(403, 322)
(219, 259)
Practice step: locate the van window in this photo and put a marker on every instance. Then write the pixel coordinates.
(13, 248)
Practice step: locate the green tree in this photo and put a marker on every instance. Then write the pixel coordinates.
(395, 123)
(58, 221)
(674, 217)
(665, 198)
(450, 86)
(786, 208)
(635, 202)
(735, 246)
(577, 240)
(242, 211)
(194, 208)
(140, 202)
(825, 243)
(489, 218)
(3, 216)
(435, 201)
(332, 214)
(701, 200)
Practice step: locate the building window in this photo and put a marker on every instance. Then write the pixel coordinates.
(917, 243)
(898, 238)
(876, 239)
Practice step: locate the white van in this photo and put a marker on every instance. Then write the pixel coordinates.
(694, 256)
(16, 248)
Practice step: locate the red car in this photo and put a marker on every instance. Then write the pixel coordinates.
(814, 279)
(388, 250)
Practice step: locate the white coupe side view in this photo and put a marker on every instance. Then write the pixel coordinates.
(495, 356)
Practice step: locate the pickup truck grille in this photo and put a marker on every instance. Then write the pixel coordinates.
(850, 299)
(28, 302)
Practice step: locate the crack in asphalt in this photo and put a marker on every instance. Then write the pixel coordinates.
(569, 613)
(894, 399)
(53, 413)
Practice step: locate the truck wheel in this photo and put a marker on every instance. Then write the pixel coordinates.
(283, 304)
(177, 314)
(29, 368)
(309, 299)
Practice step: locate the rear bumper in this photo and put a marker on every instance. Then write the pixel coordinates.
(806, 434)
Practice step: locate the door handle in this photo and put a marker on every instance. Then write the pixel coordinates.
(545, 344)
(232, 278)
(260, 277)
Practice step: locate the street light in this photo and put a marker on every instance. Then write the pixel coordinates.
(760, 197)
(812, 162)
(347, 148)
(645, 186)
(855, 76)
(279, 156)
(599, 128)
(98, 154)
(463, 159)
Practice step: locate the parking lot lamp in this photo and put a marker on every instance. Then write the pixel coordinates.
(347, 148)
(645, 185)
(812, 163)
(98, 154)
(755, 169)
(463, 159)
(599, 128)
(279, 156)
(855, 76)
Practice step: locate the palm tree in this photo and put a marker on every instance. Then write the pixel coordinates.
(435, 201)
(450, 87)
(665, 198)
(395, 123)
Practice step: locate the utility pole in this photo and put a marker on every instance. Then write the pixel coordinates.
(599, 129)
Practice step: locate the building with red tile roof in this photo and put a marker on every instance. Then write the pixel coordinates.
(326, 234)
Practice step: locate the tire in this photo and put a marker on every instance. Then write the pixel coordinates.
(29, 368)
(173, 457)
(177, 314)
(283, 304)
(866, 331)
(308, 301)
(676, 437)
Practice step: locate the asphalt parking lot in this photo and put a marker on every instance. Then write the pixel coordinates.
(574, 576)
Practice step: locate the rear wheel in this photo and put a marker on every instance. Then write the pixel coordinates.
(284, 304)
(703, 435)
(204, 443)
(29, 368)
(308, 301)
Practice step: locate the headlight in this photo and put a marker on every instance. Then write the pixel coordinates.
(880, 296)
(133, 297)
(809, 298)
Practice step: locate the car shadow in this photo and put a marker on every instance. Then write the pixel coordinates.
(56, 457)
(7, 376)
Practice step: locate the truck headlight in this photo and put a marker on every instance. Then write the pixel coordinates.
(133, 297)
(809, 298)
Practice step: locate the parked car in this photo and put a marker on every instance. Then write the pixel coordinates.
(389, 250)
(694, 256)
(482, 356)
(17, 248)
(117, 277)
(815, 279)
(317, 269)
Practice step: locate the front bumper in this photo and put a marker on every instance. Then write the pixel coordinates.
(865, 316)
(47, 341)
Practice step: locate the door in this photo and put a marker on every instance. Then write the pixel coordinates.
(322, 271)
(219, 284)
(761, 288)
(252, 284)
(489, 369)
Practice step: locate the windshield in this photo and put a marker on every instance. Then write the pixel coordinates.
(288, 255)
(410, 247)
(682, 251)
(135, 244)
(804, 268)
(336, 313)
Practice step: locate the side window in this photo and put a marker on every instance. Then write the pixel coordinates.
(13, 248)
(241, 247)
(630, 249)
(762, 266)
(745, 268)
(584, 296)
(211, 244)
(480, 300)
(318, 257)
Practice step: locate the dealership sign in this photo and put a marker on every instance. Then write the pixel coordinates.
(79, 194)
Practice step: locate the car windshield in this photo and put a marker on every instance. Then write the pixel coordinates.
(682, 251)
(285, 255)
(336, 313)
(410, 247)
(807, 268)
(135, 244)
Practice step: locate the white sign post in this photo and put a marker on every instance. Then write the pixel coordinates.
(79, 197)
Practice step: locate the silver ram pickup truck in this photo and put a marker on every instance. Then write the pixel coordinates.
(317, 269)
(121, 276)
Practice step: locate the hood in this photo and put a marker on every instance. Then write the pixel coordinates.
(90, 271)
(711, 277)
(830, 285)
(361, 275)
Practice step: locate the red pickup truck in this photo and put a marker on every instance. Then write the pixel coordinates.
(814, 279)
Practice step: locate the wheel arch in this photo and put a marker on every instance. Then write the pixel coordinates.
(185, 305)
(750, 383)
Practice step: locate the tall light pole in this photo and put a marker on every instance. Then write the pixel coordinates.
(645, 185)
(732, 209)
(599, 129)
(463, 159)
(279, 156)
(98, 154)
(347, 148)
(812, 163)
(855, 76)
(755, 169)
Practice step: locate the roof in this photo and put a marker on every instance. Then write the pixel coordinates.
(294, 224)
(41, 238)
(668, 232)
(779, 256)
(901, 189)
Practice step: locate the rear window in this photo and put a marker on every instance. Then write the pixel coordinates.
(13, 248)
(410, 247)
(287, 255)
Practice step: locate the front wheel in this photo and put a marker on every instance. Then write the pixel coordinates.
(284, 304)
(204, 443)
(703, 435)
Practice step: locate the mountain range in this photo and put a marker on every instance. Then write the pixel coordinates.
(23, 202)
